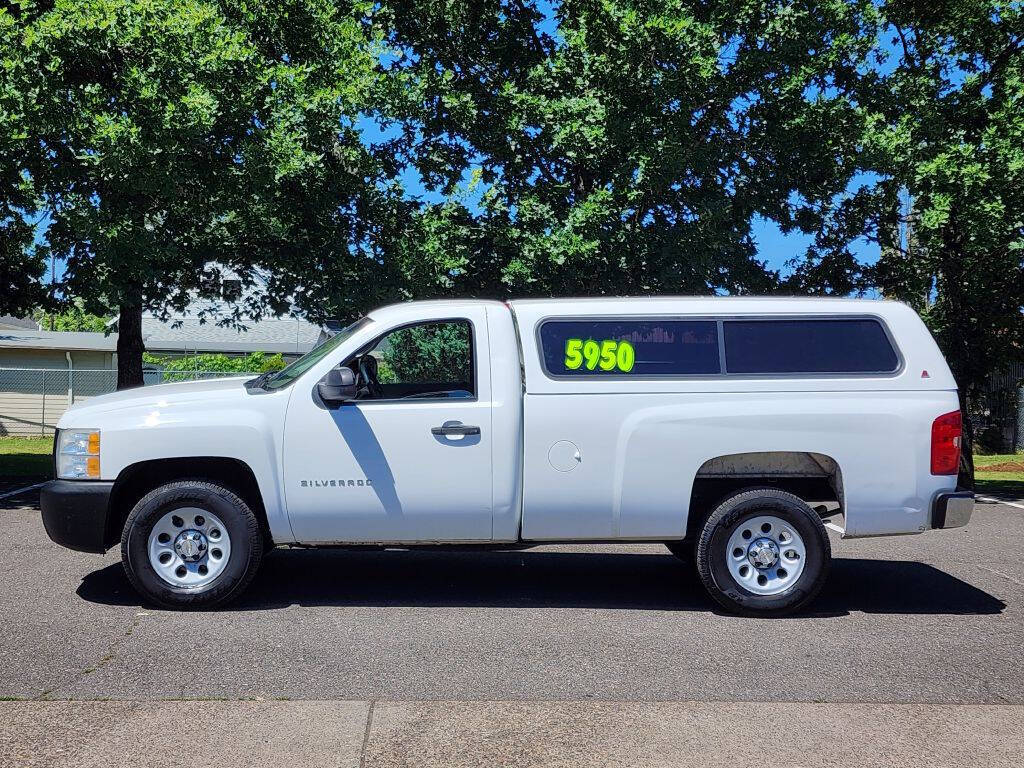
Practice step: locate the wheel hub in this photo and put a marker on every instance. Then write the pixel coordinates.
(763, 553)
(190, 545)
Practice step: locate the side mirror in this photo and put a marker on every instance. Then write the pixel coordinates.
(337, 386)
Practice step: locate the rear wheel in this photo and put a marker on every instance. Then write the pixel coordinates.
(191, 544)
(763, 552)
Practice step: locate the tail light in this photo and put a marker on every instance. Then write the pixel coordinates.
(947, 431)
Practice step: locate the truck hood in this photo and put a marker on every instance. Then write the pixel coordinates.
(157, 396)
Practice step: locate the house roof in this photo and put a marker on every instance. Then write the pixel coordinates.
(289, 335)
(17, 323)
(70, 340)
(186, 333)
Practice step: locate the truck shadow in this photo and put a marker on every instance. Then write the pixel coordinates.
(522, 579)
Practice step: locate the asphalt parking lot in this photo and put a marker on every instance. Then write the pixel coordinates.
(935, 619)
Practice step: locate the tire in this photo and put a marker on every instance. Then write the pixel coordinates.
(802, 553)
(222, 553)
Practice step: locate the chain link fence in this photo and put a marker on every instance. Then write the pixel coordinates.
(1018, 442)
(997, 413)
(33, 399)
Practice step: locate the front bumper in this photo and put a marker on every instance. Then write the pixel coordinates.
(952, 510)
(75, 513)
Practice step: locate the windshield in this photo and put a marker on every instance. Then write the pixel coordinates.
(291, 372)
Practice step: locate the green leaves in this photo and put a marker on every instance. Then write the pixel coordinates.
(168, 135)
(71, 319)
(21, 262)
(944, 145)
(338, 156)
(184, 368)
(629, 154)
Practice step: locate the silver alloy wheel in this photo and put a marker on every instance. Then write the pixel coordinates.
(766, 555)
(189, 547)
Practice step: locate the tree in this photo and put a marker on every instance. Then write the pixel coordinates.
(21, 264)
(74, 318)
(438, 353)
(945, 145)
(185, 367)
(625, 153)
(183, 142)
(20, 267)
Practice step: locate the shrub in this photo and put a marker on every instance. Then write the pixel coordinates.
(185, 368)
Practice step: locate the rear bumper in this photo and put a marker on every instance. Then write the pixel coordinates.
(75, 513)
(952, 510)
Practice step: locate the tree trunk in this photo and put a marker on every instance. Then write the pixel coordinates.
(129, 346)
(959, 336)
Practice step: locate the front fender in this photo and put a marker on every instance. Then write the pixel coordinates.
(248, 431)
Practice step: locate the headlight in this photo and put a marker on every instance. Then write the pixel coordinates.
(78, 454)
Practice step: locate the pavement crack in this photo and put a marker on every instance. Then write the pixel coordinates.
(366, 735)
(109, 655)
(1006, 576)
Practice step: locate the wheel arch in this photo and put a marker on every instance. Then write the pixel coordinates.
(809, 475)
(136, 480)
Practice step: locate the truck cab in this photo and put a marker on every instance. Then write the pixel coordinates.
(676, 420)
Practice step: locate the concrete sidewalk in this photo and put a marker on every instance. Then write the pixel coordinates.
(450, 734)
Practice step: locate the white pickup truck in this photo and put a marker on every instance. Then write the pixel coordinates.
(728, 428)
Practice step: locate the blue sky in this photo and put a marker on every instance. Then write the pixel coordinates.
(776, 248)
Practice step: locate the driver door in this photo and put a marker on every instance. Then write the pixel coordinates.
(410, 459)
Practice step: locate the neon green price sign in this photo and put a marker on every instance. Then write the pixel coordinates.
(606, 355)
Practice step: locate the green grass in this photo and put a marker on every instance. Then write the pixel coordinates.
(996, 458)
(1005, 483)
(26, 456)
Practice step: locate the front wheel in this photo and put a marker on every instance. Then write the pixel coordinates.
(763, 552)
(191, 544)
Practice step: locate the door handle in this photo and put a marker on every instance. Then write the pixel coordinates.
(455, 429)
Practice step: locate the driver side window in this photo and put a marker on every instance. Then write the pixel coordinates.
(427, 360)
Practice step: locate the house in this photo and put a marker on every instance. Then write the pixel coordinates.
(179, 335)
(56, 349)
(43, 372)
(291, 337)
